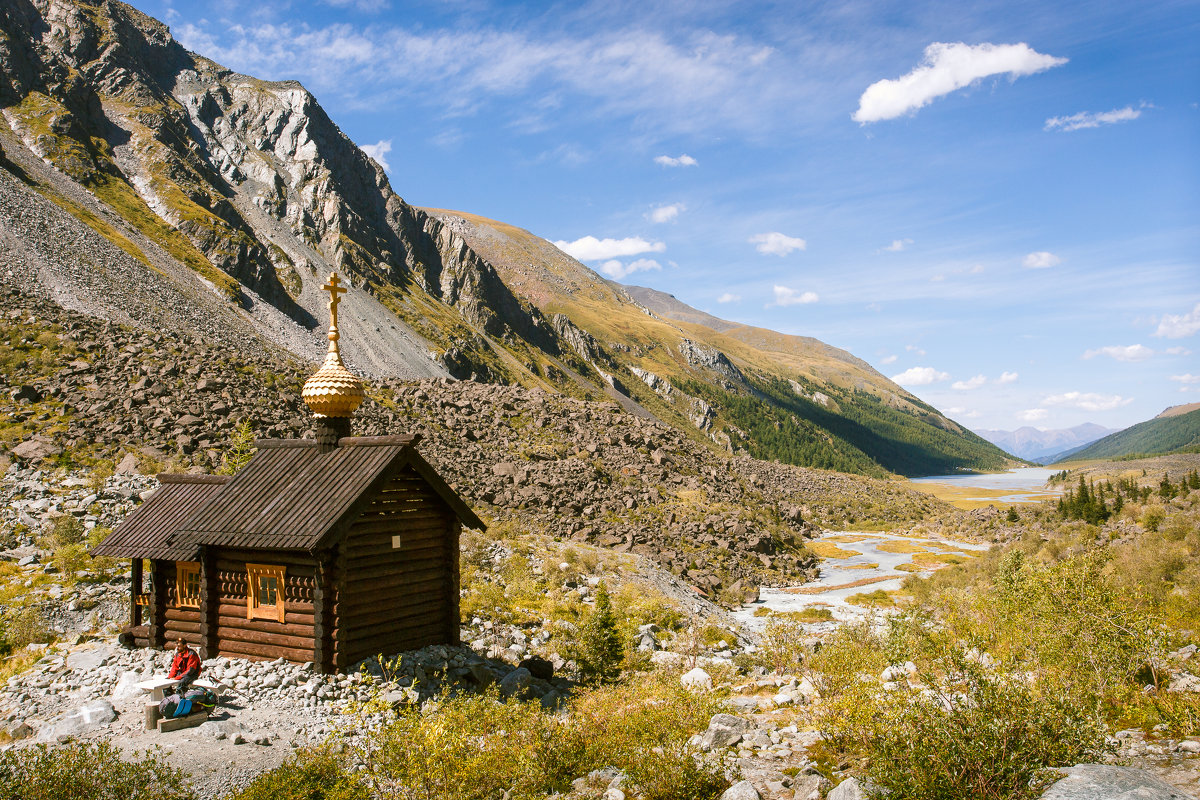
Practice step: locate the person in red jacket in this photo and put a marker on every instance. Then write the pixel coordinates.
(185, 666)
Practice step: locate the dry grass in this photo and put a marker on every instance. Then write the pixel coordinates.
(860, 566)
(934, 560)
(901, 546)
(826, 549)
(845, 538)
(851, 585)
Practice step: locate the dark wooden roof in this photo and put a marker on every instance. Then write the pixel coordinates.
(295, 495)
(146, 532)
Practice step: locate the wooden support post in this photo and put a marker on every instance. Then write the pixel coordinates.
(322, 594)
(135, 588)
(210, 603)
(158, 602)
(453, 622)
(339, 576)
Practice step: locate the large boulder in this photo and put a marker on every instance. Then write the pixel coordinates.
(697, 680)
(852, 789)
(82, 720)
(36, 448)
(1104, 782)
(742, 790)
(725, 730)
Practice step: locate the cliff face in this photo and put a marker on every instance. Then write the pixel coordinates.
(250, 177)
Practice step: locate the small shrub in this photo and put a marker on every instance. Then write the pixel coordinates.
(598, 650)
(316, 774)
(21, 626)
(781, 648)
(981, 735)
(95, 771)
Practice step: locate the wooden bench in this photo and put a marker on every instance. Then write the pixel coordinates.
(157, 687)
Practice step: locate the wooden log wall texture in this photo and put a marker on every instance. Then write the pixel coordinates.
(394, 599)
(237, 636)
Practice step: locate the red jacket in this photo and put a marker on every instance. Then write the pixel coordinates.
(184, 662)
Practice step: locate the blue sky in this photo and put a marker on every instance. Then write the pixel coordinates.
(995, 204)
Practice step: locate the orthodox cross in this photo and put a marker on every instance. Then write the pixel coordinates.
(334, 288)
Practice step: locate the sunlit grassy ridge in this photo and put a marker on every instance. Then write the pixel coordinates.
(774, 396)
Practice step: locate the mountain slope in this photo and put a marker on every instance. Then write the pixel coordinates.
(771, 395)
(1169, 432)
(150, 185)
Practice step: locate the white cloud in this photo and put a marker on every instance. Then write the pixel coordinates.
(589, 248)
(665, 213)
(777, 244)
(1177, 326)
(379, 151)
(1032, 414)
(955, 410)
(920, 376)
(912, 348)
(976, 270)
(1186, 378)
(889, 359)
(1088, 401)
(368, 6)
(679, 80)
(1133, 352)
(945, 68)
(1007, 377)
(682, 161)
(785, 296)
(729, 297)
(1177, 351)
(969, 384)
(1041, 260)
(1092, 119)
(617, 270)
(897, 245)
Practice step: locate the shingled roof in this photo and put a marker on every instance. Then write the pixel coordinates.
(146, 532)
(296, 495)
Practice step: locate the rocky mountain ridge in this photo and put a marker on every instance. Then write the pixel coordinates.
(220, 201)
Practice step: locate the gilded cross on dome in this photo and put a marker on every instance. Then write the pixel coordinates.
(333, 390)
(334, 288)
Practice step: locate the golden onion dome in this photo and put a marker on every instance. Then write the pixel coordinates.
(333, 390)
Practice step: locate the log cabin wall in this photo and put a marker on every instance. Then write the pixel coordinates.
(257, 638)
(397, 598)
(177, 620)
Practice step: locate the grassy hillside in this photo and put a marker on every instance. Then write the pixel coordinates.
(775, 396)
(1159, 436)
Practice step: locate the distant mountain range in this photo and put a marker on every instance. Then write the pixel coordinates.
(1044, 447)
(1175, 430)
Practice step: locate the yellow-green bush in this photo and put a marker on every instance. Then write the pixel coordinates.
(981, 735)
(477, 746)
(95, 771)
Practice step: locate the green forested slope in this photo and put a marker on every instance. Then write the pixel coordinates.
(1158, 436)
(865, 435)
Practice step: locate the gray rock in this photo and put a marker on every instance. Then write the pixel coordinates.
(724, 730)
(742, 790)
(1104, 782)
(128, 465)
(90, 659)
(809, 787)
(35, 449)
(852, 789)
(84, 719)
(515, 682)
